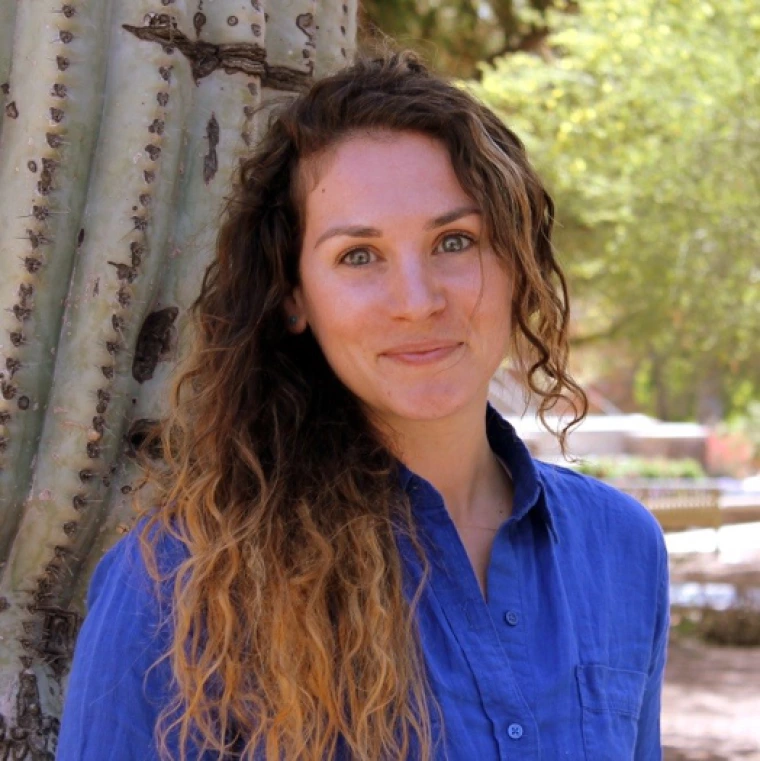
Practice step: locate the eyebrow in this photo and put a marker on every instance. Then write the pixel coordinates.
(362, 231)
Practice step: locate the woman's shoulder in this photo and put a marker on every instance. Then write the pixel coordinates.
(123, 568)
(580, 502)
(119, 678)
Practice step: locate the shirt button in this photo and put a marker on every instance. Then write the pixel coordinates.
(511, 618)
(515, 731)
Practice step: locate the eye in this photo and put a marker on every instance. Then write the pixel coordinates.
(457, 247)
(357, 257)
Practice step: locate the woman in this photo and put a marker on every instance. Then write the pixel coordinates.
(358, 558)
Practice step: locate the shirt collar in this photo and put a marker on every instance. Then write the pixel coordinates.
(507, 445)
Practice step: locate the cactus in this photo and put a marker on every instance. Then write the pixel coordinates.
(122, 121)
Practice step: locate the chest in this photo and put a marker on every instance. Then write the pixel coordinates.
(478, 543)
(538, 669)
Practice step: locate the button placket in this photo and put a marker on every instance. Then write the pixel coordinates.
(476, 626)
(480, 640)
(508, 605)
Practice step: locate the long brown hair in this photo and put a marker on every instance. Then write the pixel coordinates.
(291, 628)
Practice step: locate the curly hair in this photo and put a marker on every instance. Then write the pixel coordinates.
(292, 630)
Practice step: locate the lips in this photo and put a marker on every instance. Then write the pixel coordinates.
(422, 352)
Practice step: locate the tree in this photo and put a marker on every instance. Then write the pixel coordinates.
(455, 35)
(121, 124)
(645, 123)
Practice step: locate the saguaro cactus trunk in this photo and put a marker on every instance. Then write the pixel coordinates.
(122, 121)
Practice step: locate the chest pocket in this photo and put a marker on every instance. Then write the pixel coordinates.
(611, 703)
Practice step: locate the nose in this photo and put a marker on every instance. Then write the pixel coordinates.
(417, 292)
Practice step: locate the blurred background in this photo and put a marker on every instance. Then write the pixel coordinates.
(643, 117)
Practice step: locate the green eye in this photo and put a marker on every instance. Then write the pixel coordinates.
(357, 257)
(456, 248)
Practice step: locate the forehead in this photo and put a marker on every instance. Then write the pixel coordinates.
(372, 174)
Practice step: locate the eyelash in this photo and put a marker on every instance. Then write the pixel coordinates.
(466, 236)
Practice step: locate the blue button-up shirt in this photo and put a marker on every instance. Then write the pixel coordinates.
(564, 660)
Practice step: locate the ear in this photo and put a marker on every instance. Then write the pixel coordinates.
(295, 312)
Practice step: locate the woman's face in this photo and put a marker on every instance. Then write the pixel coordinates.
(405, 297)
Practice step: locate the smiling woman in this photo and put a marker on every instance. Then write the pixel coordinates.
(416, 319)
(351, 555)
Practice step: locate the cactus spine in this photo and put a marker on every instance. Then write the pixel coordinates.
(122, 121)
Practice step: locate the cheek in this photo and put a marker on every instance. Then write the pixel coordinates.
(334, 308)
(498, 331)
(343, 303)
(342, 322)
(496, 300)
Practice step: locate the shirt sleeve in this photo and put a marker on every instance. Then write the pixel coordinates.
(113, 697)
(648, 742)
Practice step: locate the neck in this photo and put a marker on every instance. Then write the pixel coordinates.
(454, 455)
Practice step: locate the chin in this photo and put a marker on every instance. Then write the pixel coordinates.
(427, 405)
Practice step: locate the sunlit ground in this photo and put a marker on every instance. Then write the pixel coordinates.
(711, 700)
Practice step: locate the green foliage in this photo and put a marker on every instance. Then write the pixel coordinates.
(454, 35)
(628, 466)
(646, 125)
